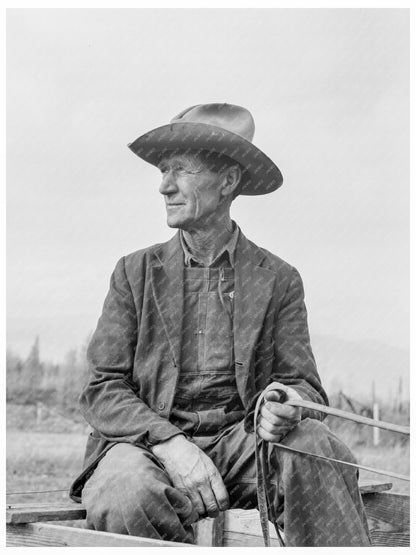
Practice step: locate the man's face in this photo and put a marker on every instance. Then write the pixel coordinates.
(191, 191)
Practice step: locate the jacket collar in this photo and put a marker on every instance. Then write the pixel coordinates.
(173, 248)
(228, 248)
(166, 251)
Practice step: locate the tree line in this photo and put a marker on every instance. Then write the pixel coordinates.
(31, 380)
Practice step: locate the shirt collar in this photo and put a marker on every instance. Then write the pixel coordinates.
(228, 248)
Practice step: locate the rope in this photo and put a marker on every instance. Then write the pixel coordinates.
(260, 451)
(260, 458)
(368, 468)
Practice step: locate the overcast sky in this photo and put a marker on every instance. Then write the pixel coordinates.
(329, 93)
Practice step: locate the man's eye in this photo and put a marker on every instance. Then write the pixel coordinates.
(179, 169)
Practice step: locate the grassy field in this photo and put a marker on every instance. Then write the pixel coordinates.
(42, 461)
(45, 452)
(392, 452)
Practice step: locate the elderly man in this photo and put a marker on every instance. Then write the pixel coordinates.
(192, 331)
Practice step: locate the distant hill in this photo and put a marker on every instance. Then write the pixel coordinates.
(353, 365)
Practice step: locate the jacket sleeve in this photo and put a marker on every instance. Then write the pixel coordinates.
(110, 401)
(294, 361)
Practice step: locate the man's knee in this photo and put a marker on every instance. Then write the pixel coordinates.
(315, 437)
(123, 486)
(307, 434)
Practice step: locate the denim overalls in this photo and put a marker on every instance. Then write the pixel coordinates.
(206, 398)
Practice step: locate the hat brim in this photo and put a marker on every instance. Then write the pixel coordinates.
(260, 176)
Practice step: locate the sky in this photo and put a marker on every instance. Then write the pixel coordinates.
(329, 92)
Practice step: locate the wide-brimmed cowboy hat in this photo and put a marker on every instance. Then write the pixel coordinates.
(221, 128)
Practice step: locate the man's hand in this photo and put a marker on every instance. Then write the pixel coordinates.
(194, 474)
(277, 419)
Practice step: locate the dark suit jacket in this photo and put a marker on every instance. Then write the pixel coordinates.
(134, 354)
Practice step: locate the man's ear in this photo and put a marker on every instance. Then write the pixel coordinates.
(232, 178)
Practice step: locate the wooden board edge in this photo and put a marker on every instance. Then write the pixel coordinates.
(40, 533)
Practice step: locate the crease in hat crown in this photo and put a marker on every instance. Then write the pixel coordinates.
(224, 128)
(234, 118)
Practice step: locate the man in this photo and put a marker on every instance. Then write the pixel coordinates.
(192, 331)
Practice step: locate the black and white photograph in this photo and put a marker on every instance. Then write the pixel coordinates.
(207, 277)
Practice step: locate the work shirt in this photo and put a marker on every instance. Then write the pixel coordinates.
(206, 398)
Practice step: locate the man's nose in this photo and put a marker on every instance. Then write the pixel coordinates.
(168, 184)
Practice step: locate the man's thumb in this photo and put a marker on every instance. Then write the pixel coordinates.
(279, 396)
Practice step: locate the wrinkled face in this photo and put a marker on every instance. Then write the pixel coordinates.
(192, 192)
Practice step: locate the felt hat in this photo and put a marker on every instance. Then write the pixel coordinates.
(221, 128)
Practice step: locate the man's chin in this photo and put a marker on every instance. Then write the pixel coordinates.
(174, 223)
(177, 220)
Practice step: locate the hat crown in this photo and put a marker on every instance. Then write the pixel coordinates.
(223, 128)
(230, 117)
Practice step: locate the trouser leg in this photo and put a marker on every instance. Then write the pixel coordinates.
(129, 493)
(321, 501)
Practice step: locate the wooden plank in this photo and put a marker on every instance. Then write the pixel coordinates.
(373, 486)
(390, 539)
(237, 539)
(20, 514)
(42, 534)
(246, 522)
(388, 517)
(209, 531)
(387, 513)
(43, 512)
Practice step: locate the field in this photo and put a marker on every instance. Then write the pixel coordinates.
(45, 452)
(392, 453)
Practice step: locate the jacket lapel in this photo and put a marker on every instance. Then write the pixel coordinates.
(167, 284)
(253, 291)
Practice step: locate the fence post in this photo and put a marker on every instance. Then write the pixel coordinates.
(399, 396)
(376, 416)
(39, 412)
(376, 431)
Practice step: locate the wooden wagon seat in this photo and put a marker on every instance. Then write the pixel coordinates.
(30, 525)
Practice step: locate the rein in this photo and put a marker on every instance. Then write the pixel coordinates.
(261, 449)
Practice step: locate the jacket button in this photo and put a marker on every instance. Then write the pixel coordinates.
(161, 406)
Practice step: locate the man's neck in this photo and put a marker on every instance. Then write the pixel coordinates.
(206, 244)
